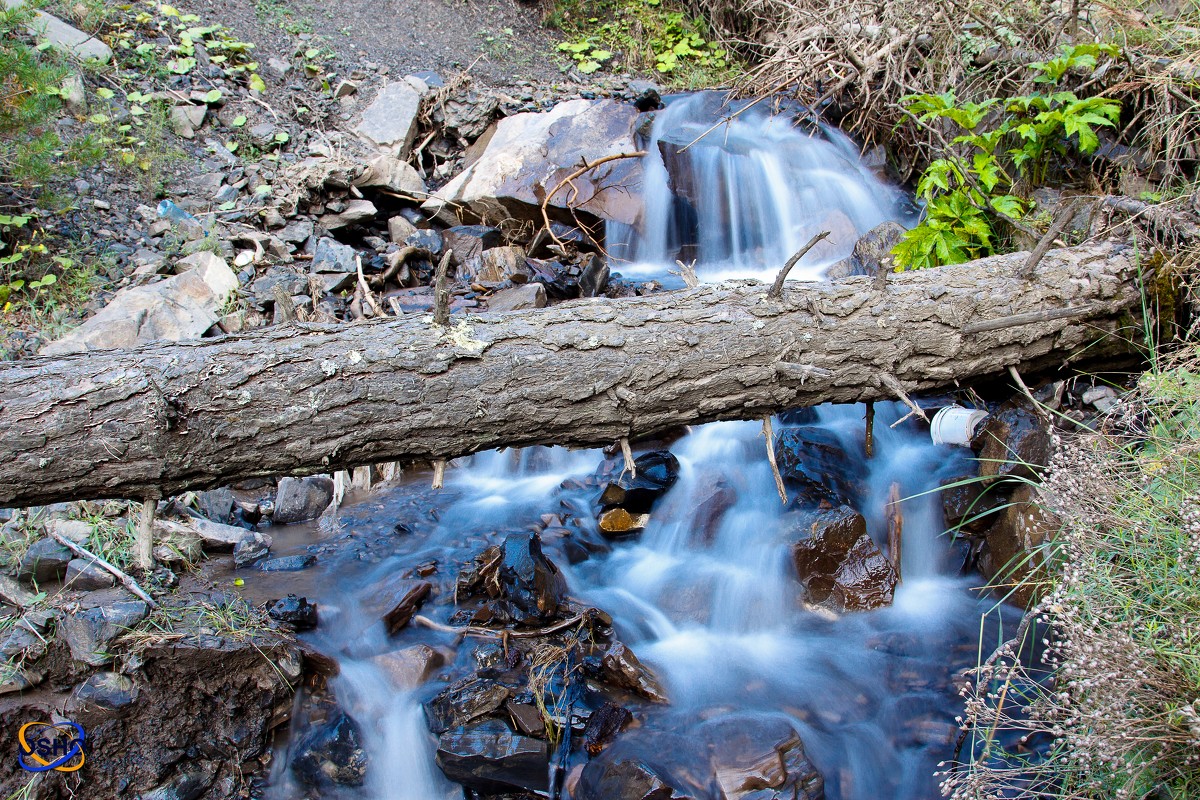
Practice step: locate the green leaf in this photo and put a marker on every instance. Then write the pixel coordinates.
(588, 67)
(281, 137)
(213, 95)
(257, 84)
(105, 93)
(1009, 206)
(239, 121)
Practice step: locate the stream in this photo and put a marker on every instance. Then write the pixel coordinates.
(707, 594)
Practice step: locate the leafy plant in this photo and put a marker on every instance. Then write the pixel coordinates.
(970, 191)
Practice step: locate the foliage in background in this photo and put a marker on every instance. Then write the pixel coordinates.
(652, 35)
(992, 154)
(1114, 710)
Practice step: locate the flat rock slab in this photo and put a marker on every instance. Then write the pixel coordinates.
(65, 37)
(390, 122)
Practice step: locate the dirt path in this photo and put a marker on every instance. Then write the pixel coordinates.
(503, 39)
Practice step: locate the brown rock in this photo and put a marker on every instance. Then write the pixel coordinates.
(410, 667)
(618, 523)
(621, 668)
(840, 566)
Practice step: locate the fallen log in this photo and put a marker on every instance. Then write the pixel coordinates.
(307, 397)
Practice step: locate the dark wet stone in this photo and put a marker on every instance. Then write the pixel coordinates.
(301, 499)
(656, 474)
(288, 563)
(527, 719)
(107, 690)
(838, 563)
(760, 757)
(645, 95)
(295, 611)
(473, 576)
(404, 599)
(815, 467)
(531, 586)
(331, 753)
(252, 547)
(713, 496)
(603, 726)
(1013, 546)
(315, 662)
(593, 280)
(466, 700)
(46, 560)
(190, 784)
(86, 575)
(621, 668)
(649, 767)
(967, 503)
(89, 633)
(1013, 442)
(490, 758)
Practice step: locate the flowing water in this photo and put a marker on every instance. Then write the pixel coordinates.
(742, 196)
(709, 601)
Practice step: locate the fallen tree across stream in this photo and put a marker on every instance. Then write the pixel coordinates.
(302, 398)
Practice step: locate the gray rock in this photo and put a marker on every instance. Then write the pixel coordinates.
(519, 298)
(356, 211)
(467, 115)
(86, 575)
(594, 278)
(427, 239)
(76, 530)
(390, 122)
(46, 560)
(227, 194)
(400, 229)
(264, 288)
(65, 37)
(278, 68)
(186, 119)
(333, 256)
(297, 231)
(19, 642)
(536, 151)
(178, 308)
(872, 252)
(504, 264)
(288, 563)
(300, 499)
(393, 174)
(89, 633)
(188, 784)
(253, 547)
(106, 690)
(216, 505)
(264, 134)
(204, 261)
(74, 96)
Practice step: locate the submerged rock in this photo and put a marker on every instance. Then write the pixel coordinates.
(401, 599)
(620, 667)
(411, 666)
(839, 564)
(331, 753)
(760, 757)
(650, 766)
(490, 758)
(657, 472)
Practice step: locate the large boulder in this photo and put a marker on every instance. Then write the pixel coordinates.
(530, 153)
(301, 499)
(178, 308)
(1014, 546)
(840, 566)
(1013, 442)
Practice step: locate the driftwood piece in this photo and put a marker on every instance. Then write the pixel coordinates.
(312, 397)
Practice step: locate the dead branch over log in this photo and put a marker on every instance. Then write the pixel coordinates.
(311, 397)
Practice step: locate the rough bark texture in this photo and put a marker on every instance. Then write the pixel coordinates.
(304, 398)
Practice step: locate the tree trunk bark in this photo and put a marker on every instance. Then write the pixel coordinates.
(303, 398)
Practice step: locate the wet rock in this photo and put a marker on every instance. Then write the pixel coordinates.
(356, 212)
(86, 575)
(300, 499)
(838, 563)
(518, 298)
(410, 667)
(645, 95)
(315, 662)
(872, 252)
(294, 611)
(253, 546)
(331, 753)
(1013, 442)
(532, 588)
(617, 523)
(89, 633)
(714, 496)
(489, 757)
(658, 767)
(398, 601)
(288, 563)
(620, 667)
(656, 474)
(390, 122)
(814, 466)
(967, 503)
(1013, 548)
(106, 690)
(593, 280)
(603, 726)
(45, 560)
(178, 308)
(466, 700)
(760, 757)
(531, 153)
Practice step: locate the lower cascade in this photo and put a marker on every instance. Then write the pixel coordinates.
(555, 623)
